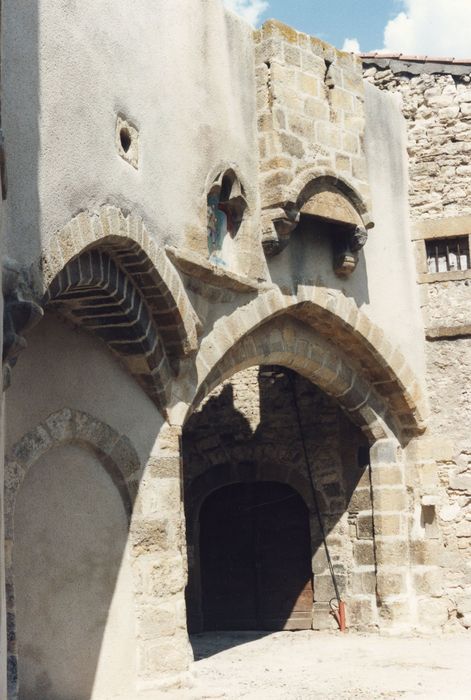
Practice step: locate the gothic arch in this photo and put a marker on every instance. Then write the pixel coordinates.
(67, 426)
(106, 274)
(292, 344)
(126, 237)
(115, 452)
(383, 383)
(224, 167)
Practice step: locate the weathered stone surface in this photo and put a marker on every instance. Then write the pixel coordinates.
(460, 482)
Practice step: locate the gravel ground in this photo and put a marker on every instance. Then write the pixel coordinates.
(328, 666)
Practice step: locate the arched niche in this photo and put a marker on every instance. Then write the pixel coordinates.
(73, 580)
(70, 485)
(330, 211)
(226, 205)
(326, 204)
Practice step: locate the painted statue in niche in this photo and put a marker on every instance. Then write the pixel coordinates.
(226, 205)
(217, 228)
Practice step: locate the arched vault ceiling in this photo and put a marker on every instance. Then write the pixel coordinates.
(107, 275)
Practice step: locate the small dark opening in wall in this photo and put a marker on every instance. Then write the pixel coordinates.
(428, 522)
(427, 516)
(363, 456)
(125, 138)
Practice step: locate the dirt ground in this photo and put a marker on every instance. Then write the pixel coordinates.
(328, 666)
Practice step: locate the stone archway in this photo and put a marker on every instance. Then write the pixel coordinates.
(336, 348)
(139, 255)
(105, 273)
(333, 319)
(225, 443)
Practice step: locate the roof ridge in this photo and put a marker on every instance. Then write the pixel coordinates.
(416, 58)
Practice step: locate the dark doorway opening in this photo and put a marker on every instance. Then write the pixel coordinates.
(255, 556)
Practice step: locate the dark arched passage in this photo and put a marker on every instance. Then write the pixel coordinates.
(255, 556)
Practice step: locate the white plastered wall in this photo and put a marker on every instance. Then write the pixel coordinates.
(74, 591)
(64, 367)
(71, 551)
(389, 252)
(181, 72)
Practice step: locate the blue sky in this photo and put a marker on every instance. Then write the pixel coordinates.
(335, 20)
(431, 27)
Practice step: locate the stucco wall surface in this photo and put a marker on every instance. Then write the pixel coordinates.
(68, 368)
(180, 72)
(74, 588)
(389, 252)
(98, 420)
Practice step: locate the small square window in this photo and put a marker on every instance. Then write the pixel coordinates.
(448, 254)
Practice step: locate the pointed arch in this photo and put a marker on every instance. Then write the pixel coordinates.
(105, 273)
(66, 426)
(127, 237)
(323, 332)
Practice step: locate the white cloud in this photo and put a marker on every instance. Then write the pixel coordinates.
(351, 45)
(250, 10)
(431, 27)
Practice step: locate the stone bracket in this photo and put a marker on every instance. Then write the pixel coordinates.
(277, 225)
(346, 253)
(20, 313)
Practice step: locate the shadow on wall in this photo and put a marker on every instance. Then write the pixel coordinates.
(309, 258)
(237, 459)
(20, 114)
(20, 122)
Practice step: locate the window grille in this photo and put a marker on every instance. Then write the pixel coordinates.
(448, 254)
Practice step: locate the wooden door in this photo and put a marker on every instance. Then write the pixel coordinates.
(255, 558)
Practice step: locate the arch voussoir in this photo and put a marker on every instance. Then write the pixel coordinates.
(328, 340)
(107, 274)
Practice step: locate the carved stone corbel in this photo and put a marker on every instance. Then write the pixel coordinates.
(20, 313)
(358, 238)
(277, 225)
(346, 251)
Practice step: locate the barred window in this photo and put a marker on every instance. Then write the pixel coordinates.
(448, 254)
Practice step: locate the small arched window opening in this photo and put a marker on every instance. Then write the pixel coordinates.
(226, 206)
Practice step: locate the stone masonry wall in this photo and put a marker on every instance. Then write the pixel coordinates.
(249, 424)
(437, 109)
(310, 115)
